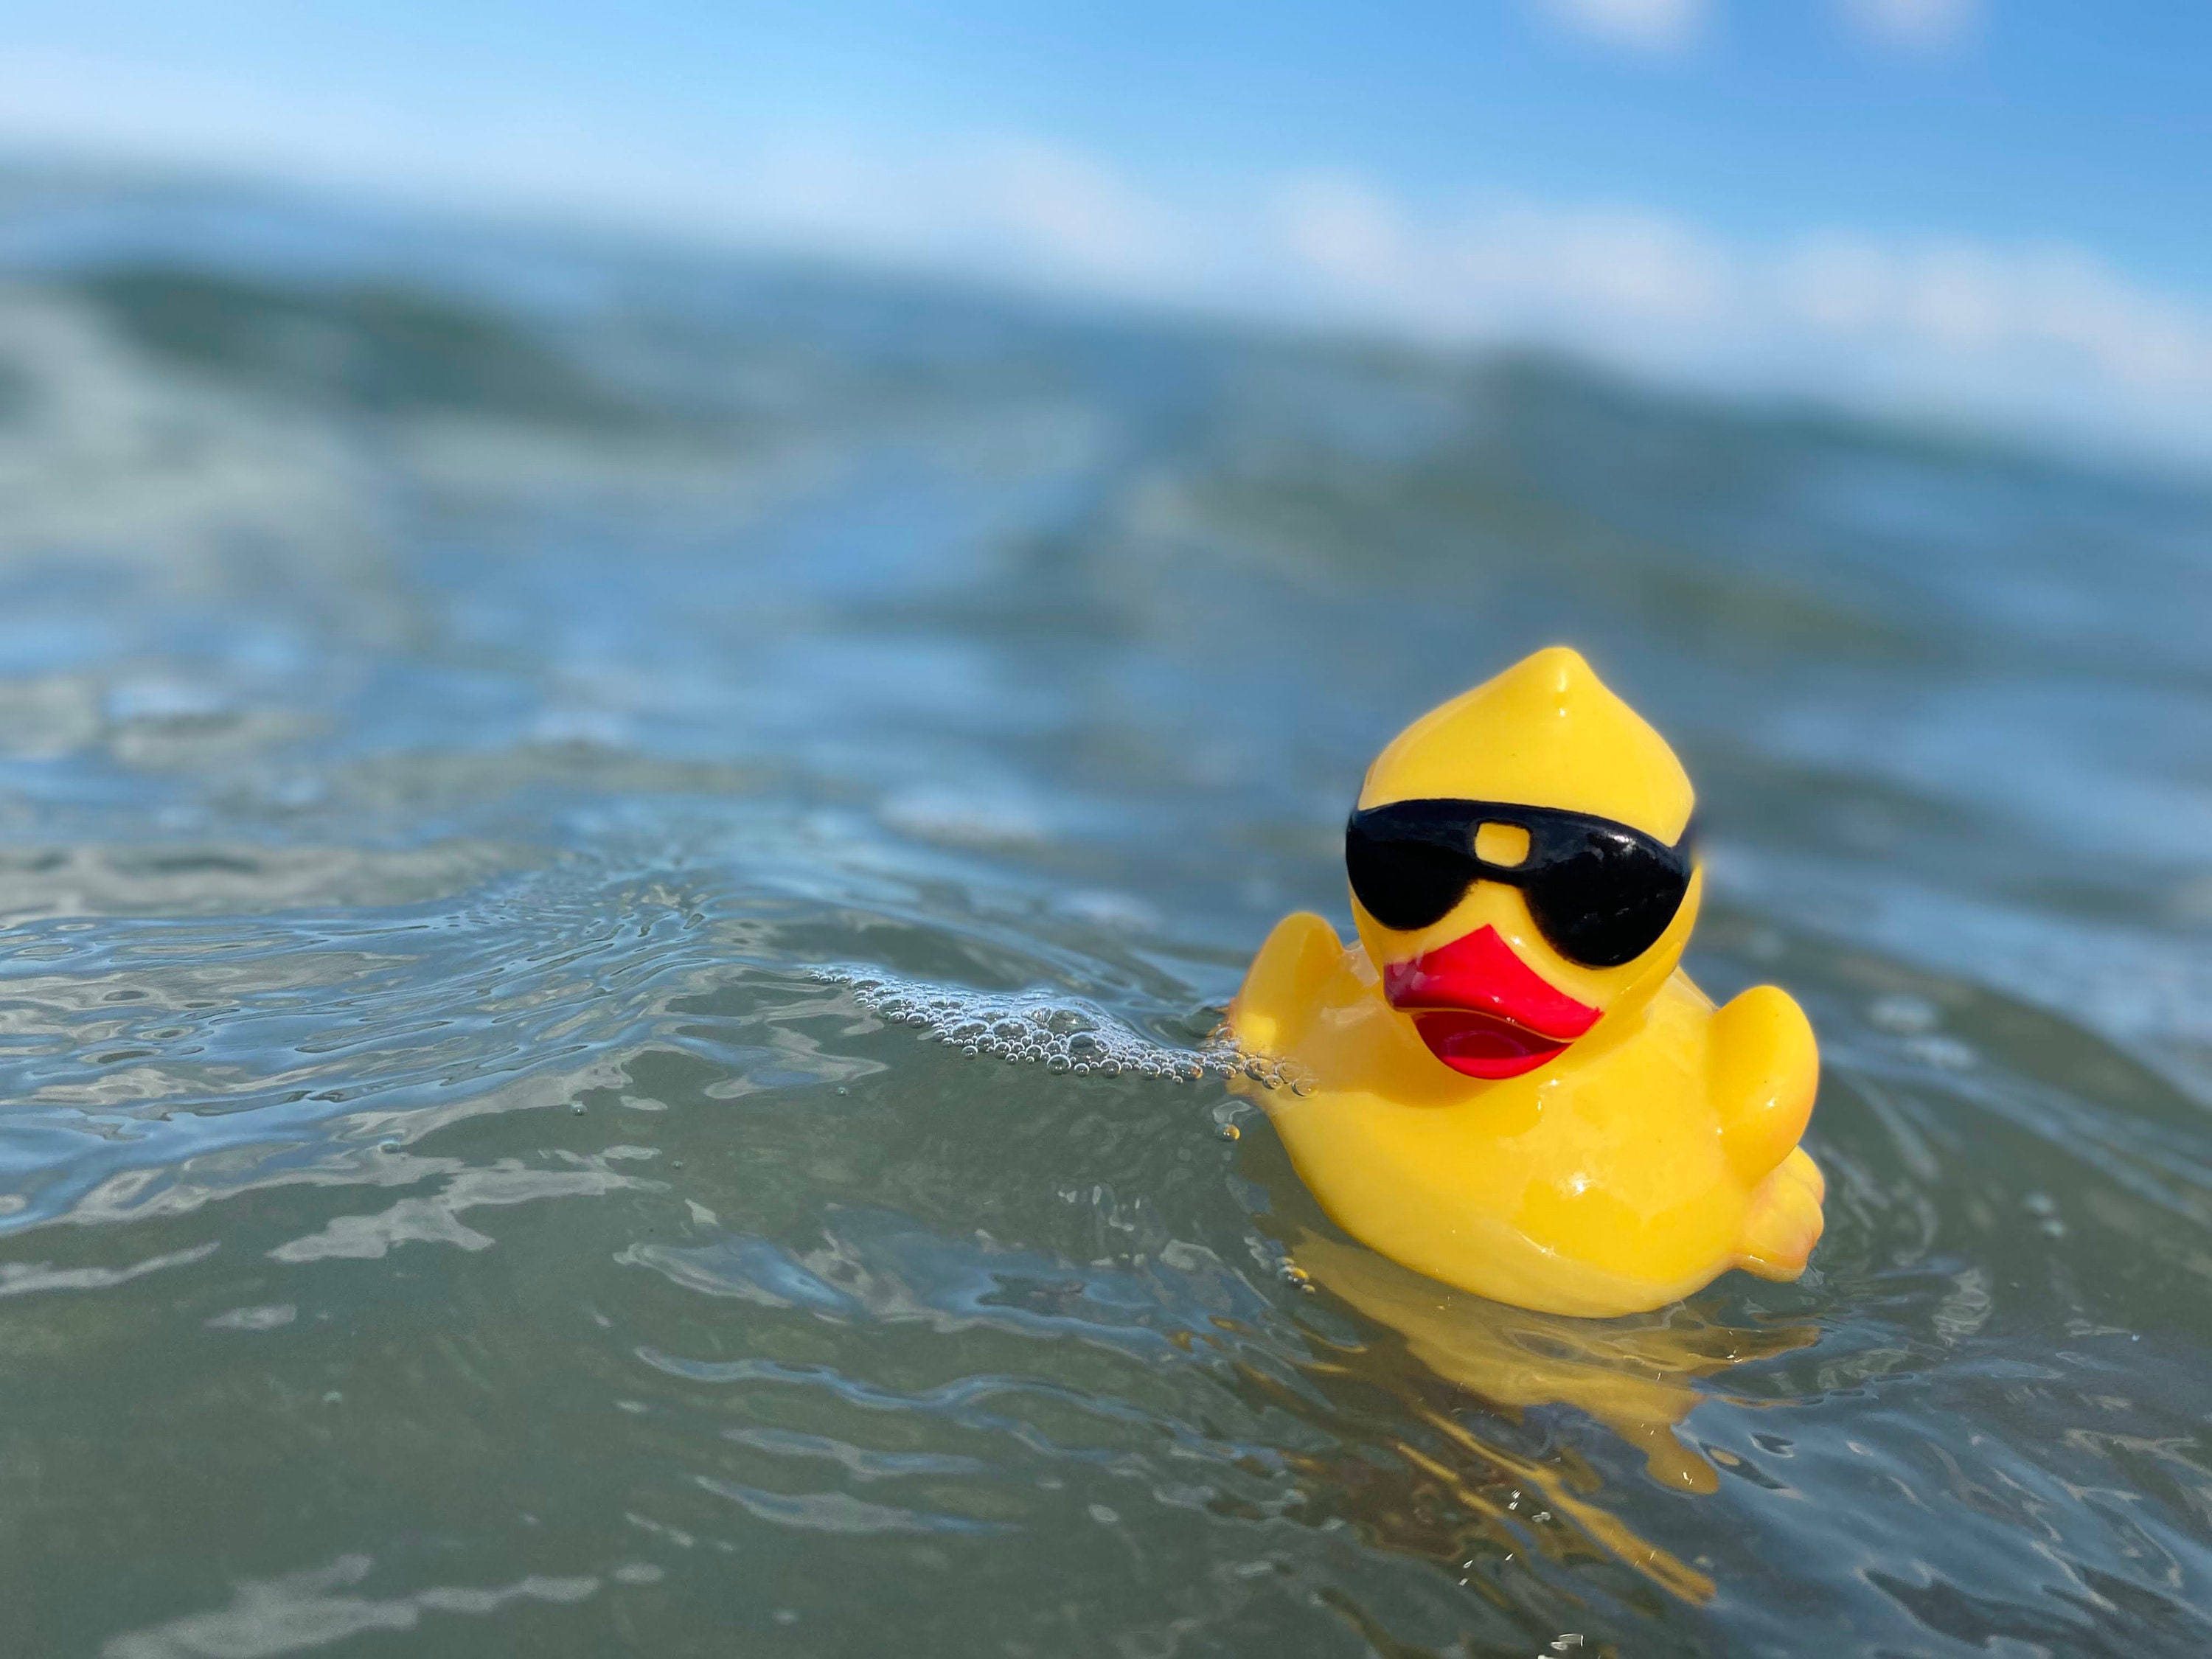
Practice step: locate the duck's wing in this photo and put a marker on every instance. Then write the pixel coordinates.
(1766, 1068)
(1286, 982)
(1784, 1221)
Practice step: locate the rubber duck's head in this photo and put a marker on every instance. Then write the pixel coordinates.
(1532, 873)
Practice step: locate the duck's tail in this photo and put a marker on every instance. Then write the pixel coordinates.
(1784, 1222)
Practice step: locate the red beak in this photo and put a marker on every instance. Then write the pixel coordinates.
(1483, 1011)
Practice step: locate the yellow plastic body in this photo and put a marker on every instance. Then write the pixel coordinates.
(1652, 1154)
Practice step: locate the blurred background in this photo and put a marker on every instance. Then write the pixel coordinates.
(1982, 213)
(590, 600)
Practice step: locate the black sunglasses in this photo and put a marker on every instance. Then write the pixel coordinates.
(1600, 892)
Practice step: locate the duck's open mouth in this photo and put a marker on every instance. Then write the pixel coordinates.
(1482, 1010)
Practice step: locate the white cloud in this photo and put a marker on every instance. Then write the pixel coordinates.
(1637, 268)
(1638, 24)
(2041, 338)
(1914, 25)
(1072, 210)
(2053, 305)
(1337, 225)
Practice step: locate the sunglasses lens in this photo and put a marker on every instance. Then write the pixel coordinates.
(1601, 893)
(1405, 883)
(1608, 900)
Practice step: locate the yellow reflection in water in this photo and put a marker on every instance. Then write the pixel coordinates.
(1633, 1375)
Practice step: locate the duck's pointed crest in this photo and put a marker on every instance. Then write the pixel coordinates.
(1548, 733)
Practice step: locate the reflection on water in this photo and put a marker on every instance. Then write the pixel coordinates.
(500, 744)
(1633, 1375)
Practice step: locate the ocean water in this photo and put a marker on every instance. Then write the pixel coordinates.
(524, 766)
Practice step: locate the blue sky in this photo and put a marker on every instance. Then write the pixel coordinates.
(1990, 209)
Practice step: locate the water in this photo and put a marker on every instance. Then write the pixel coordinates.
(501, 739)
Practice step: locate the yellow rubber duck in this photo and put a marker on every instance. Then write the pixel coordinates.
(1509, 1084)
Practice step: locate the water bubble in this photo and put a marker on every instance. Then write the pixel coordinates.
(1946, 1053)
(1903, 1013)
(1067, 1036)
